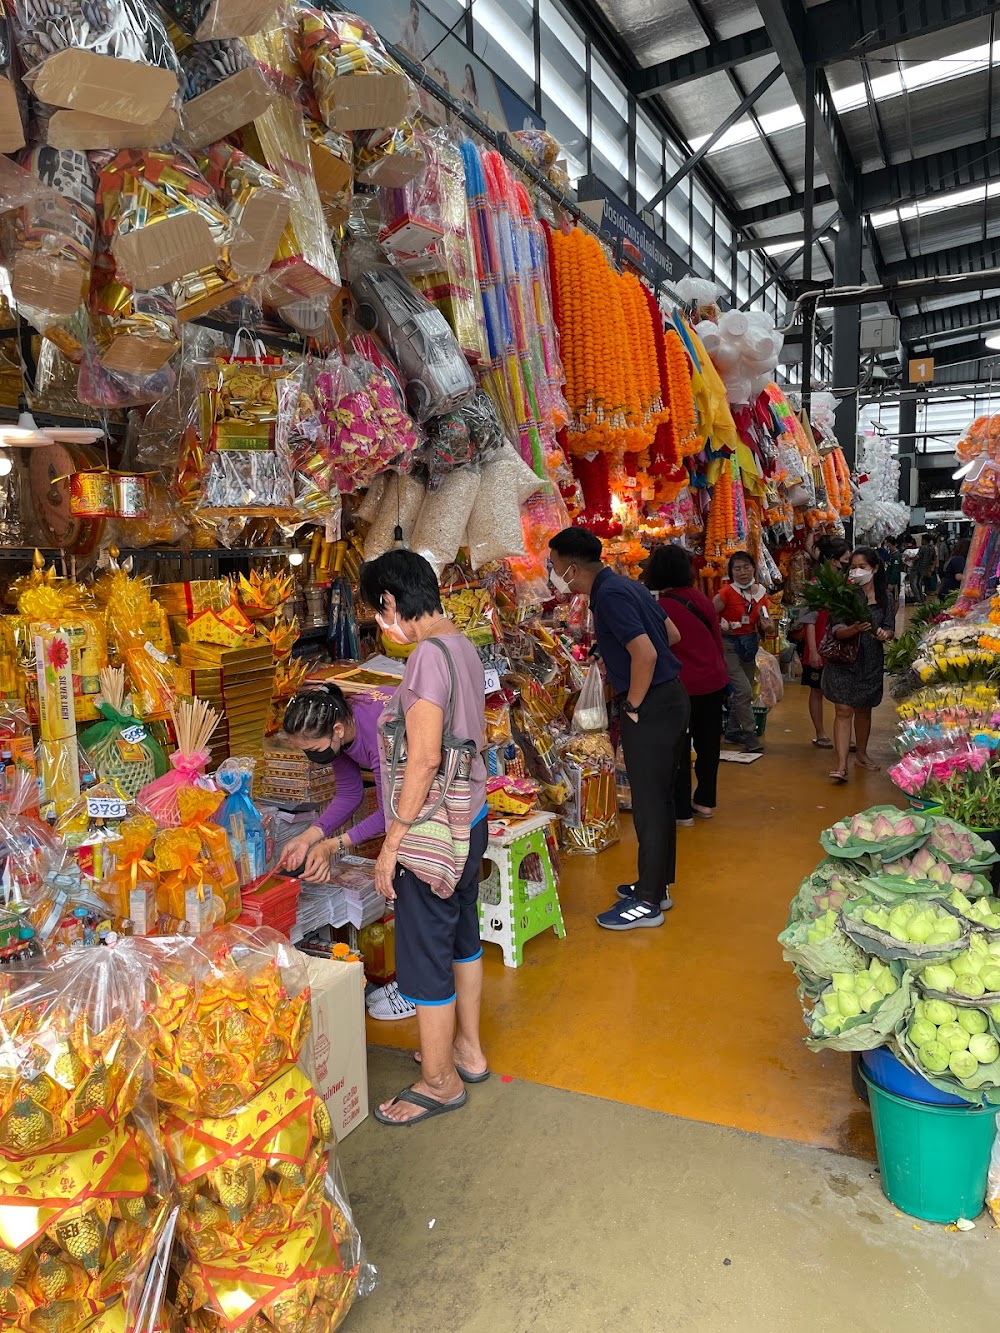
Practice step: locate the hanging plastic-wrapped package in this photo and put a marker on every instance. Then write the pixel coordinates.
(495, 530)
(265, 1223)
(444, 516)
(194, 723)
(52, 246)
(109, 65)
(223, 89)
(86, 1213)
(401, 504)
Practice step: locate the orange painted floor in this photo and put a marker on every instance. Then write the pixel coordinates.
(698, 1018)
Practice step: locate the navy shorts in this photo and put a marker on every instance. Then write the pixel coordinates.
(432, 933)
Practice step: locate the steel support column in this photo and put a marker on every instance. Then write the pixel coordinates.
(847, 336)
(907, 445)
(809, 196)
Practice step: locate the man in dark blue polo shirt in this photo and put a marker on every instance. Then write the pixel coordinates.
(634, 637)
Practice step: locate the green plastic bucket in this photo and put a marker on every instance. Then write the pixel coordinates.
(933, 1159)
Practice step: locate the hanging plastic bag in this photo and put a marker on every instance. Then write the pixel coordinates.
(241, 818)
(770, 686)
(591, 711)
(194, 723)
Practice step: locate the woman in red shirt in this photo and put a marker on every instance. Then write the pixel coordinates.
(742, 608)
(669, 576)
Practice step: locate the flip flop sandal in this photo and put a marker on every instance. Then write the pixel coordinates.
(428, 1105)
(463, 1074)
(824, 744)
(839, 777)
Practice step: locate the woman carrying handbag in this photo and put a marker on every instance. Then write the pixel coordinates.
(854, 662)
(434, 778)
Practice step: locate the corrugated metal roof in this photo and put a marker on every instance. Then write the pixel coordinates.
(924, 95)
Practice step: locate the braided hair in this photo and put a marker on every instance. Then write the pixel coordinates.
(312, 713)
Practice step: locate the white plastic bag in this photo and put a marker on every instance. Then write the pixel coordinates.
(591, 712)
(770, 686)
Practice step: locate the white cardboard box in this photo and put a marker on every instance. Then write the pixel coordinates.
(339, 1045)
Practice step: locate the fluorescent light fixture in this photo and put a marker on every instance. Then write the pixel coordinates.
(24, 435)
(852, 98)
(993, 342)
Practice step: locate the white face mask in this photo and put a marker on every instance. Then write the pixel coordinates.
(393, 631)
(743, 587)
(861, 576)
(559, 581)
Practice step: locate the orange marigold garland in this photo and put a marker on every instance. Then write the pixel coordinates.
(681, 396)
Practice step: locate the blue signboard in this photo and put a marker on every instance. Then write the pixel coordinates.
(626, 229)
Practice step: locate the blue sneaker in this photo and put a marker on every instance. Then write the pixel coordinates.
(630, 914)
(628, 891)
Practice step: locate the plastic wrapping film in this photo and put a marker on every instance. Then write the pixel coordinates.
(428, 231)
(444, 516)
(110, 59)
(223, 88)
(257, 205)
(207, 20)
(357, 86)
(86, 1207)
(305, 267)
(265, 1232)
(53, 237)
(436, 374)
(236, 460)
(332, 155)
(390, 158)
(11, 102)
(402, 500)
(495, 530)
(133, 336)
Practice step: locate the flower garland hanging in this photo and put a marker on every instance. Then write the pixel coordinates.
(680, 398)
(727, 529)
(608, 355)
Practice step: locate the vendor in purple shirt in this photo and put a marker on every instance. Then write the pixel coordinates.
(329, 730)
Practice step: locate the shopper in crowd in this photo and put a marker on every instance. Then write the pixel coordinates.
(924, 566)
(635, 638)
(942, 550)
(742, 607)
(810, 628)
(954, 568)
(894, 568)
(855, 687)
(670, 576)
(438, 953)
(321, 723)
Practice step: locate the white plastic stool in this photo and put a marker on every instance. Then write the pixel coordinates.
(513, 909)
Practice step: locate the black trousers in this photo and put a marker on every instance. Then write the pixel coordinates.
(705, 734)
(650, 747)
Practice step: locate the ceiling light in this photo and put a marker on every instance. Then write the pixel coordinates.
(993, 342)
(295, 558)
(6, 464)
(25, 434)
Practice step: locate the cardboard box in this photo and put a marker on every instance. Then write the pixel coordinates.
(119, 89)
(165, 250)
(261, 227)
(11, 124)
(48, 282)
(394, 171)
(339, 1046)
(370, 101)
(86, 132)
(140, 357)
(225, 108)
(333, 174)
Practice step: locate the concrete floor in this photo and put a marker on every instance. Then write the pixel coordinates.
(699, 1018)
(654, 1149)
(544, 1210)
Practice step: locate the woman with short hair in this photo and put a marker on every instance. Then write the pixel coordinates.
(438, 952)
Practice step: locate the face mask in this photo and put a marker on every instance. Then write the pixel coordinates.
(393, 631)
(559, 581)
(737, 583)
(861, 576)
(326, 756)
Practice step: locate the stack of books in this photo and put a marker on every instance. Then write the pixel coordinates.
(238, 683)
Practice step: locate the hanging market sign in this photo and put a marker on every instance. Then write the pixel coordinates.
(627, 231)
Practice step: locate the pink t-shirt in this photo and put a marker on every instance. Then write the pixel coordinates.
(426, 677)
